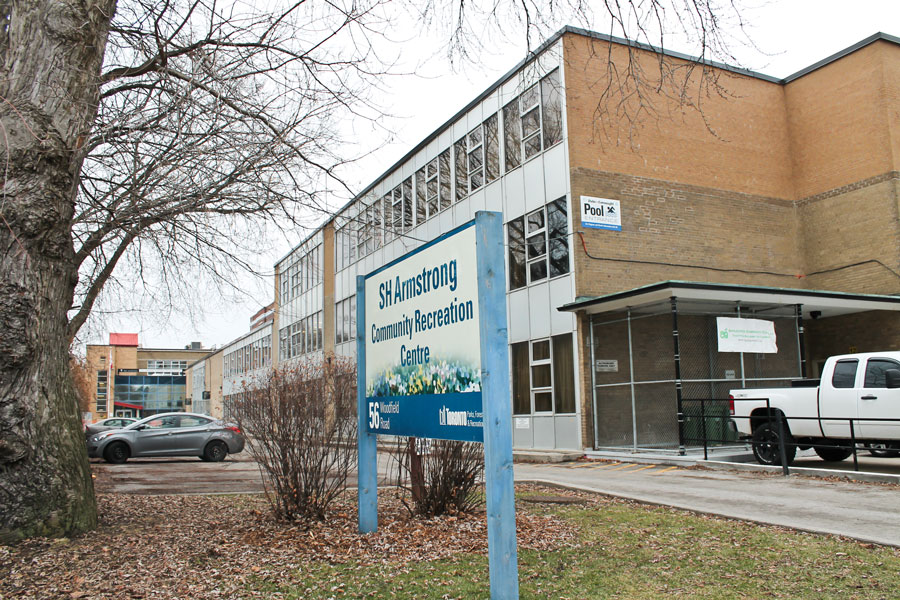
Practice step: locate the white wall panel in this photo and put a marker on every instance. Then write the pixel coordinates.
(534, 184)
(514, 191)
(561, 293)
(538, 310)
(555, 176)
(518, 316)
(493, 197)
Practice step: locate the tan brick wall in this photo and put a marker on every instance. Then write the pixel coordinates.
(872, 331)
(748, 151)
(854, 225)
(665, 224)
(843, 120)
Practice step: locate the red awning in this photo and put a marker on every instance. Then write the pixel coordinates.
(126, 405)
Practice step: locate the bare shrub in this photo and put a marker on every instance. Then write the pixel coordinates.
(302, 423)
(436, 477)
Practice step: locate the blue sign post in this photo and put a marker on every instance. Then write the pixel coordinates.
(424, 372)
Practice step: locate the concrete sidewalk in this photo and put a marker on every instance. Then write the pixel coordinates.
(865, 511)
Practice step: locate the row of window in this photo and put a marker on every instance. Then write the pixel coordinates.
(531, 123)
(543, 376)
(844, 375)
(301, 275)
(255, 355)
(538, 245)
(345, 320)
(102, 381)
(301, 337)
(166, 367)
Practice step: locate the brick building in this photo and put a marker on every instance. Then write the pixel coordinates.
(131, 381)
(777, 201)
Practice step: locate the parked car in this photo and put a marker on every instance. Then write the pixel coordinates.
(168, 434)
(106, 425)
(856, 401)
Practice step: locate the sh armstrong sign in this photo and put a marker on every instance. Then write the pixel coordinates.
(432, 362)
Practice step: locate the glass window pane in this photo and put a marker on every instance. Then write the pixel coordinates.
(536, 221)
(563, 374)
(444, 176)
(537, 270)
(475, 137)
(844, 375)
(421, 197)
(407, 204)
(529, 97)
(353, 317)
(551, 107)
(462, 174)
(531, 122)
(543, 402)
(537, 246)
(491, 149)
(432, 168)
(516, 240)
(532, 146)
(512, 136)
(875, 369)
(477, 180)
(540, 350)
(520, 382)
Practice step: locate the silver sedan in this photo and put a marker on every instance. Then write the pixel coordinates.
(168, 434)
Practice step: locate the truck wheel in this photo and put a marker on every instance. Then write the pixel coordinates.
(883, 450)
(766, 445)
(833, 453)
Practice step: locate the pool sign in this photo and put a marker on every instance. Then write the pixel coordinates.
(432, 361)
(600, 213)
(423, 361)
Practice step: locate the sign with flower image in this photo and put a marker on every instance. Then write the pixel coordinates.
(423, 355)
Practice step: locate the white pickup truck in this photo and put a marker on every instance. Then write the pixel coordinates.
(862, 387)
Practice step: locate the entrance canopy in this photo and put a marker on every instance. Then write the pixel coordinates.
(815, 303)
(658, 375)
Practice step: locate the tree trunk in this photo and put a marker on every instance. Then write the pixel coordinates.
(51, 52)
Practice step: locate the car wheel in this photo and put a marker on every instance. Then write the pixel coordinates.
(116, 453)
(832, 453)
(766, 445)
(215, 451)
(883, 450)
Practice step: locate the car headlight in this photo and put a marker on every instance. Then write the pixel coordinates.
(102, 436)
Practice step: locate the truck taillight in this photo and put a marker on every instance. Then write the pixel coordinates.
(730, 404)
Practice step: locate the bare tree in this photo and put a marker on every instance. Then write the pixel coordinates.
(210, 114)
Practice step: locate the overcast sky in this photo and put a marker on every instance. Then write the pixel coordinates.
(790, 35)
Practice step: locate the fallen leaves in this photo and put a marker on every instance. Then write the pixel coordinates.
(202, 547)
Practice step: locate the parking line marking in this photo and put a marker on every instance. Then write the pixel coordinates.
(642, 468)
(625, 466)
(605, 465)
(581, 466)
(664, 470)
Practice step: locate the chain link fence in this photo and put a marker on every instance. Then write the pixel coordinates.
(636, 373)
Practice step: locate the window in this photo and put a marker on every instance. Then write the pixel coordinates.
(302, 337)
(102, 383)
(345, 320)
(408, 215)
(543, 376)
(875, 372)
(462, 174)
(529, 104)
(491, 149)
(512, 136)
(844, 375)
(551, 109)
(533, 121)
(475, 154)
(538, 245)
(444, 178)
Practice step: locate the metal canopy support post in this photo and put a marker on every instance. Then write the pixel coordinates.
(497, 407)
(678, 396)
(800, 349)
(367, 459)
(590, 320)
(634, 440)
